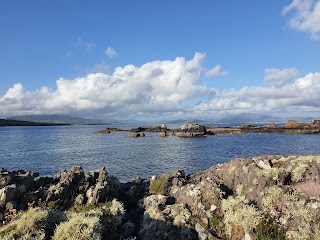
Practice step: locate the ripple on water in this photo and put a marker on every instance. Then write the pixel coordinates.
(48, 150)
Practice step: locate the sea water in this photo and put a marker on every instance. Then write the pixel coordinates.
(48, 150)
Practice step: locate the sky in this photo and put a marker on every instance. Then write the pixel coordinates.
(159, 59)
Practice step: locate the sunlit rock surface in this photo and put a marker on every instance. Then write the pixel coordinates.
(266, 197)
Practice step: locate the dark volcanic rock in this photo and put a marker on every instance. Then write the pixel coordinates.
(138, 129)
(69, 184)
(191, 130)
(7, 194)
(101, 187)
(110, 130)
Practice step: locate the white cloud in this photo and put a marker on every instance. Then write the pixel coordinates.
(16, 92)
(306, 16)
(279, 77)
(215, 72)
(110, 52)
(300, 95)
(159, 86)
(164, 89)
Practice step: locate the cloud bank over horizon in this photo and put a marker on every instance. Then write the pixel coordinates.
(168, 89)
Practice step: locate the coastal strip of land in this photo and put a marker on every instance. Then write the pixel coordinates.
(7, 122)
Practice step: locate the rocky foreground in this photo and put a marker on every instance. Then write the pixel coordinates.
(267, 197)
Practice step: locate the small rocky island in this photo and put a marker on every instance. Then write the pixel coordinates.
(197, 130)
(291, 127)
(191, 130)
(266, 197)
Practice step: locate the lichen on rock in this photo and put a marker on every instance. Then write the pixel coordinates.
(263, 197)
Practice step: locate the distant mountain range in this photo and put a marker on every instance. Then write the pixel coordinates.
(185, 121)
(250, 118)
(243, 118)
(237, 119)
(256, 118)
(60, 119)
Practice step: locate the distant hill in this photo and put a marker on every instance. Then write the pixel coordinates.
(58, 119)
(199, 121)
(6, 122)
(236, 119)
(303, 119)
(250, 118)
(257, 118)
(178, 121)
(185, 121)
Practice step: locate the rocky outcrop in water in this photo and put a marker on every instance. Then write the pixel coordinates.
(191, 130)
(136, 134)
(267, 197)
(110, 130)
(291, 127)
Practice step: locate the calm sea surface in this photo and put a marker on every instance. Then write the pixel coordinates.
(48, 150)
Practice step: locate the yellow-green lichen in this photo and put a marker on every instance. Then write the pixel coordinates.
(238, 211)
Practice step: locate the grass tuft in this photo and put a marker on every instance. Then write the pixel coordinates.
(159, 186)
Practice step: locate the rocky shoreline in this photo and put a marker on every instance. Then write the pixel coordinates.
(266, 197)
(291, 127)
(196, 130)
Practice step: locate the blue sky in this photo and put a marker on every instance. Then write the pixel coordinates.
(149, 59)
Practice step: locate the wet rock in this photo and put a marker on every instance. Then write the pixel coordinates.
(138, 129)
(136, 134)
(163, 134)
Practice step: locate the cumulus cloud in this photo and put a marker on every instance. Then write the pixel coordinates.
(215, 72)
(279, 77)
(306, 16)
(16, 92)
(300, 95)
(110, 52)
(160, 86)
(164, 89)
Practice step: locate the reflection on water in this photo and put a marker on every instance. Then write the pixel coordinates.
(48, 150)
